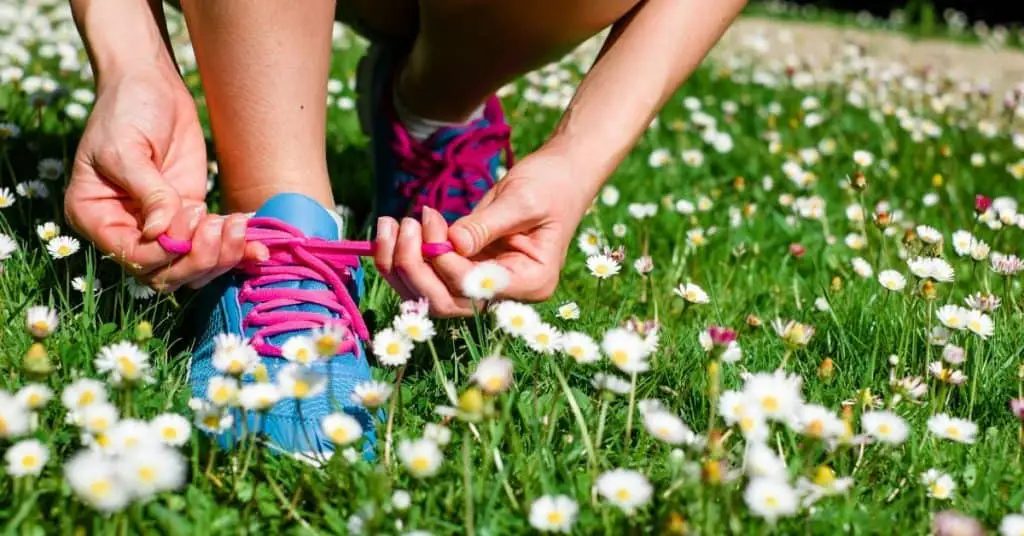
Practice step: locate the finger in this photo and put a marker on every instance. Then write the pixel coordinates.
(232, 248)
(384, 246)
(507, 213)
(199, 261)
(420, 277)
(450, 267)
(131, 169)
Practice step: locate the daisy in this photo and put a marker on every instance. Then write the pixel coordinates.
(371, 394)
(151, 470)
(328, 340)
(171, 429)
(34, 396)
(26, 458)
(233, 355)
(259, 396)
(983, 302)
(580, 347)
(692, 293)
(610, 195)
(82, 393)
(401, 500)
(667, 427)
(946, 427)
(892, 280)
(416, 327)
(32, 189)
(695, 238)
(863, 158)
(15, 419)
(139, 291)
(437, 433)
(952, 316)
(793, 333)
(980, 324)
(515, 318)
(123, 362)
(602, 266)
(301, 349)
(929, 235)
(62, 246)
(962, 243)
(7, 247)
(484, 281)
(884, 426)
(422, 458)
(210, 418)
(980, 250)
(341, 428)
(770, 498)
(553, 513)
(50, 169)
(824, 484)
(625, 488)
(685, 207)
(626, 350)
(855, 241)
(862, 268)
(222, 391)
(1012, 525)
(391, 348)
(298, 382)
(41, 321)
(48, 231)
(543, 338)
(818, 422)
(81, 284)
(6, 197)
(692, 157)
(128, 435)
(760, 461)
(92, 477)
(569, 311)
(776, 394)
(98, 418)
(590, 241)
(493, 374)
(933, 268)
(611, 384)
(1006, 264)
(940, 485)
(659, 157)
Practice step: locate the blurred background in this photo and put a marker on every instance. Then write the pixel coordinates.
(914, 13)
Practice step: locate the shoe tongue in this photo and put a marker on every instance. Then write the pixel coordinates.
(440, 139)
(303, 213)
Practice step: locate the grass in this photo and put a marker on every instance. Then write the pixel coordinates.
(540, 437)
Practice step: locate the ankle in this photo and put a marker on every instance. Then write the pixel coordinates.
(424, 96)
(250, 197)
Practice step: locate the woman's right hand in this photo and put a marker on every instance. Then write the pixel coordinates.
(141, 171)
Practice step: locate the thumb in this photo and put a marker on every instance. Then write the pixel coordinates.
(140, 178)
(501, 217)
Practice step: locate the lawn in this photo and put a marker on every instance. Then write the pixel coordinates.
(794, 309)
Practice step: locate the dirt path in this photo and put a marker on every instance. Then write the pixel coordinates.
(820, 44)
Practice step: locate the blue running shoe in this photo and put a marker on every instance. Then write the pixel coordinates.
(310, 285)
(450, 171)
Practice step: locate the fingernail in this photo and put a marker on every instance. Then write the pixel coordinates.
(262, 255)
(197, 213)
(464, 237)
(216, 226)
(384, 227)
(155, 221)
(408, 228)
(237, 229)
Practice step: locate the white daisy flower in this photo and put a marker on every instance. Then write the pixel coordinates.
(422, 458)
(371, 394)
(233, 355)
(7, 246)
(222, 391)
(569, 311)
(610, 195)
(669, 428)
(401, 500)
(32, 189)
(940, 485)
(98, 418)
(692, 293)
(771, 499)
(625, 488)
(952, 428)
(884, 426)
(300, 349)
(62, 247)
(151, 469)
(258, 396)
(41, 321)
(92, 477)
(553, 513)
(50, 169)
(515, 318)
(611, 384)
(626, 350)
(1012, 525)
(863, 158)
(980, 324)
(26, 458)
(776, 395)
(892, 280)
(962, 242)
(543, 338)
(81, 284)
(602, 266)
(171, 429)
(6, 197)
(48, 231)
(296, 381)
(416, 327)
(580, 347)
(590, 241)
(34, 396)
(341, 428)
(328, 340)
(929, 235)
(123, 362)
(210, 418)
(15, 419)
(493, 374)
(137, 290)
(82, 393)
(933, 268)
(391, 348)
(760, 461)
(818, 422)
(862, 268)
(952, 316)
(437, 433)
(484, 281)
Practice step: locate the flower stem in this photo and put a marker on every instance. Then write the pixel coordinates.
(467, 484)
(391, 416)
(629, 415)
(580, 421)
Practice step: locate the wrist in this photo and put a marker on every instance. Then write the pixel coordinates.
(583, 177)
(123, 36)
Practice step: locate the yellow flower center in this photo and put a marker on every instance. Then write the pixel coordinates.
(211, 421)
(824, 476)
(40, 325)
(601, 269)
(147, 474)
(747, 424)
(414, 332)
(29, 461)
(975, 325)
(494, 384)
(221, 394)
(420, 463)
(555, 518)
(34, 400)
(302, 355)
(592, 240)
(620, 357)
(487, 283)
(543, 339)
(326, 345)
(302, 388)
(517, 322)
(816, 428)
(884, 429)
(86, 398)
(770, 404)
(102, 440)
(622, 494)
(99, 423)
(771, 501)
(938, 490)
(169, 434)
(371, 399)
(576, 352)
(952, 431)
(128, 368)
(339, 435)
(100, 488)
(392, 348)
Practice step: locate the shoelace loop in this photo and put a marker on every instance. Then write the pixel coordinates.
(466, 156)
(295, 257)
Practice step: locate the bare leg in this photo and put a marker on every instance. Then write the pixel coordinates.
(467, 49)
(264, 67)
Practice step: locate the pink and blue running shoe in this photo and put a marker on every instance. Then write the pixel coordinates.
(450, 171)
(312, 280)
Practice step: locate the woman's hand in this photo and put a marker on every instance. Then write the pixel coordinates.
(140, 171)
(525, 224)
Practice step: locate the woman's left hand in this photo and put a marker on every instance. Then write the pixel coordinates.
(525, 224)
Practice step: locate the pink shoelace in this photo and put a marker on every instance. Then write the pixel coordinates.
(465, 158)
(295, 257)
